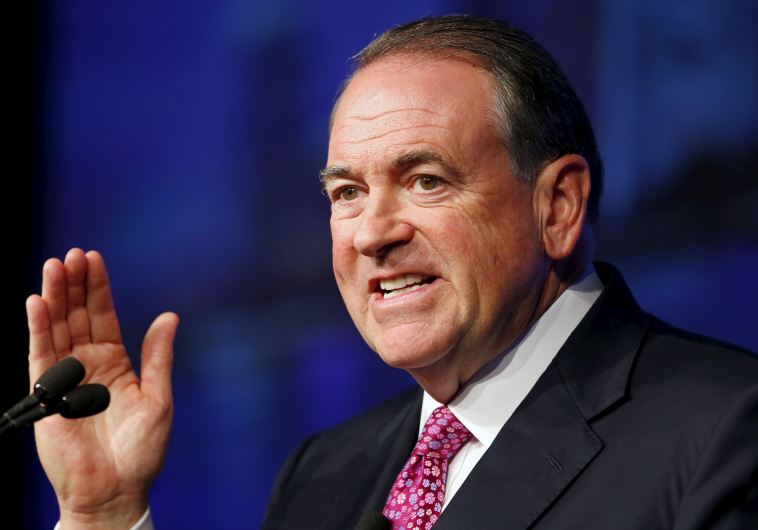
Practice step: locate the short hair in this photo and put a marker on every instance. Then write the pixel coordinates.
(539, 116)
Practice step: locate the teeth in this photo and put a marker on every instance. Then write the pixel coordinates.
(400, 282)
(401, 291)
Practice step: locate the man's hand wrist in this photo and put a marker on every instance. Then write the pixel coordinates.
(119, 514)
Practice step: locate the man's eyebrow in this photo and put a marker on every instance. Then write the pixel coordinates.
(402, 162)
(332, 172)
(425, 156)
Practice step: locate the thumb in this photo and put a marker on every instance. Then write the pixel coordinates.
(158, 357)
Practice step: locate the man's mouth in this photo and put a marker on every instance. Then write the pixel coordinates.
(403, 284)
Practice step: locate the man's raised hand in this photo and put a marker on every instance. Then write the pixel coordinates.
(100, 467)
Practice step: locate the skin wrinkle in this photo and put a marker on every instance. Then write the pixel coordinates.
(370, 118)
(382, 135)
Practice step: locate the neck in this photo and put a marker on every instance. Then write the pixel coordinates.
(444, 380)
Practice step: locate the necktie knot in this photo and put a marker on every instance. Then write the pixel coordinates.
(442, 435)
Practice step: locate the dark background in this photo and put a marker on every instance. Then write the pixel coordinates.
(183, 140)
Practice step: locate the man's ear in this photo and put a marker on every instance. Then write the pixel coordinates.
(560, 203)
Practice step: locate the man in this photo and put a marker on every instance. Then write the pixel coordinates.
(464, 180)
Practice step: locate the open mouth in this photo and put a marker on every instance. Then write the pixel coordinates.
(403, 284)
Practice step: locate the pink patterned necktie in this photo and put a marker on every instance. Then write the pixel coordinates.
(415, 501)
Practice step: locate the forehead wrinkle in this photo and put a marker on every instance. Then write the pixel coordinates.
(398, 129)
(392, 111)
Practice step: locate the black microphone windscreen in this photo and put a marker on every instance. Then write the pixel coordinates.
(59, 379)
(86, 400)
(373, 521)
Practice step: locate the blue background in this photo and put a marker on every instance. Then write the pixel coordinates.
(183, 141)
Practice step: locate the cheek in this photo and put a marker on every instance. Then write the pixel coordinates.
(343, 253)
(489, 244)
(455, 235)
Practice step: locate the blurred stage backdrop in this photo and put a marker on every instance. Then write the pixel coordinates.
(183, 140)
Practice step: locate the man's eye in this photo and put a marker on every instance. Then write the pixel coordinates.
(427, 182)
(347, 194)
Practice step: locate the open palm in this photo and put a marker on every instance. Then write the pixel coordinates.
(100, 467)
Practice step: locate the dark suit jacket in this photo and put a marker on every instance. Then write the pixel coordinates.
(634, 424)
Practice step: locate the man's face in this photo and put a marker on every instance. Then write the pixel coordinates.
(435, 243)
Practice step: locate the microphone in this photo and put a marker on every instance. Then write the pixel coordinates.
(49, 388)
(83, 401)
(86, 400)
(373, 521)
(59, 379)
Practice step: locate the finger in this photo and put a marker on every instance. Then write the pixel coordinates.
(78, 321)
(56, 299)
(158, 357)
(104, 325)
(41, 348)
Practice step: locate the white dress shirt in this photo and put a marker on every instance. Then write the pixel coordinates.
(487, 401)
(494, 393)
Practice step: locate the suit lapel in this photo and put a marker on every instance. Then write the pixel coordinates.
(548, 441)
(539, 451)
(395, 444)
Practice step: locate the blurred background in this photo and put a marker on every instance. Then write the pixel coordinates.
(183, 141)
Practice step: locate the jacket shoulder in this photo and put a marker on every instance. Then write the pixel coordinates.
(707, 374)
(323, 464)
(327, 450)
(361, 430)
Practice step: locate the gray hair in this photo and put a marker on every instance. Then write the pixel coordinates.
(537, 112)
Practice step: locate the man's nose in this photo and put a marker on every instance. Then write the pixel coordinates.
(381, 226)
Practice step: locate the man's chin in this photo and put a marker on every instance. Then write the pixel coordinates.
(411, 357)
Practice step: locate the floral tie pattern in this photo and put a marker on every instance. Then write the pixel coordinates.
(415, 500)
